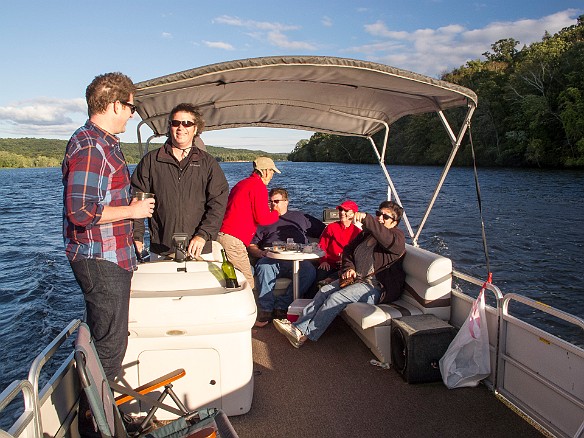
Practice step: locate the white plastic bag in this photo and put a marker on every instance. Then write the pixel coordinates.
(467, 361)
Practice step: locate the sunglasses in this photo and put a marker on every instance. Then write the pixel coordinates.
(132, 107)
(276, 201)
(342, 209)
(385, 216)
(185, 123)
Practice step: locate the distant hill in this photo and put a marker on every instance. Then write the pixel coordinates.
(43, 152)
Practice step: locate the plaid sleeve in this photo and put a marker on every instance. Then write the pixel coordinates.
(86, 182)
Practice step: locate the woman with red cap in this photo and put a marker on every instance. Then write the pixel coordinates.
(332, 241)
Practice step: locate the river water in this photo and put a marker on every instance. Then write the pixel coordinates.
(533, 221)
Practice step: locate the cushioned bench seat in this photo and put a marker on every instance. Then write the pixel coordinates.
(427, 291)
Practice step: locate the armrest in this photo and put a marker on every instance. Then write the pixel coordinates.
(152, 385)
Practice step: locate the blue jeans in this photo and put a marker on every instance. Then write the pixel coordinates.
(266, 272)
(328, 302)
(106, 290)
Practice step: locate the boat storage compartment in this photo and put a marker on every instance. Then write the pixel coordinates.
(182, 316)
(417, 344)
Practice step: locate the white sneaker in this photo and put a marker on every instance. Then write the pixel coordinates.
(289, 330)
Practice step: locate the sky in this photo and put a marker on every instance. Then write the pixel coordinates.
(51, 50)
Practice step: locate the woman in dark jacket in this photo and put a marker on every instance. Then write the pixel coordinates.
(372, 263)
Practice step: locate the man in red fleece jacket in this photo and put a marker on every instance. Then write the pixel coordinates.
(247, 207)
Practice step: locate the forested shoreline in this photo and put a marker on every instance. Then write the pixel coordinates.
(43, 152)
(530, 112)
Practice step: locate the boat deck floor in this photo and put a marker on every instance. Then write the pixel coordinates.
(329, 389)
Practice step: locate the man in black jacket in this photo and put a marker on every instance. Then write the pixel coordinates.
(190, 188)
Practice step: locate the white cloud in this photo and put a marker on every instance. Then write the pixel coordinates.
(433, 51)
(166, 35)
(379, 29)
(251, 24)
(43, 111)
(219, 45)
(327, 21)
(45, 117)
(273, 32)
(279, 39)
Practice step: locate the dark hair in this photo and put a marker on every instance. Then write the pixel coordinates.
(191, 109)
(279, 191)
(108, 88)
(395, 208)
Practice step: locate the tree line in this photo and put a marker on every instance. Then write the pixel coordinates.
(42, 152)
(530, 112)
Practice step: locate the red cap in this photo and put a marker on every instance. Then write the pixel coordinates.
(349, 205)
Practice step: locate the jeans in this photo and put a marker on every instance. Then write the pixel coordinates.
(106, 290)
(267, 270)
(321, 275)
(329, 301)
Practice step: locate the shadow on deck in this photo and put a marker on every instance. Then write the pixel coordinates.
(329, 389)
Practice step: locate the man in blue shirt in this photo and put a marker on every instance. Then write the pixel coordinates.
(291, 224)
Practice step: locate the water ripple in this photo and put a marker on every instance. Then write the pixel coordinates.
(532, 223)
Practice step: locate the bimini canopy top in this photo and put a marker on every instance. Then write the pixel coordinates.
(312, 93)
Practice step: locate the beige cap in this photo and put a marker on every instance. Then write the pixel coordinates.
(262, 163)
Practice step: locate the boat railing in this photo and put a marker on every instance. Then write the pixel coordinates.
(532, 369)
(549, 389)
(50, 388)
(28, 423)
(470, 279)
(493, 317)
(44, 356)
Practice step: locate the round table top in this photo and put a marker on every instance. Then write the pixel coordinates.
(294, 255)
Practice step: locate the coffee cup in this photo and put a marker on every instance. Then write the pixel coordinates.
(143, 195)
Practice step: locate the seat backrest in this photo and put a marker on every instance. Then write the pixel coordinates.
(428, 281)
(96, 386)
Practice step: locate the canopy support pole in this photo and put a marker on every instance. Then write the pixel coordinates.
(456, 141)
(390, 185)
(381, 161)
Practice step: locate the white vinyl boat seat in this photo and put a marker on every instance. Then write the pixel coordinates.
(427, 291)
(104, 407)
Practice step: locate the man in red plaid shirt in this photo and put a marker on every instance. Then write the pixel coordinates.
(97, 215)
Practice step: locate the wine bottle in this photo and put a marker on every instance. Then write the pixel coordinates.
(228, 272)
